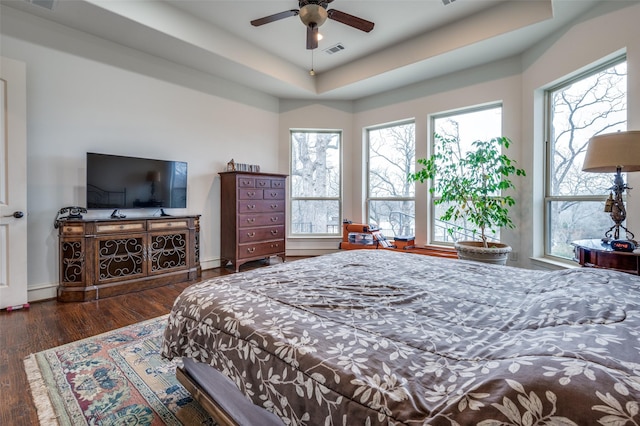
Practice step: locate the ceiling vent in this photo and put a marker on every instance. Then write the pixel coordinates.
(47, 4)
(334, 49)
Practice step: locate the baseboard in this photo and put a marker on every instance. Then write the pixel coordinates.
(210, 264)
(42, 292)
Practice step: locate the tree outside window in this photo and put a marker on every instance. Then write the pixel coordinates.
(315, 181)
(591, 104)
(463, 128)
(390, 195)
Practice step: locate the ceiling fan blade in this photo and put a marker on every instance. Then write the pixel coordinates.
(350, 20)
(312, 37)
(274, 17)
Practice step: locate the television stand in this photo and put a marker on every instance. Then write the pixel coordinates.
(162, 213)
(101, 257)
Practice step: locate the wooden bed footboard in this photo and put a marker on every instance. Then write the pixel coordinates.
(219, 397)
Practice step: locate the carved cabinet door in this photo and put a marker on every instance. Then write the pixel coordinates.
(168, 251)
(120, 257)
(72, 262)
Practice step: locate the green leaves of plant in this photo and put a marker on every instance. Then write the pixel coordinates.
(472, 182)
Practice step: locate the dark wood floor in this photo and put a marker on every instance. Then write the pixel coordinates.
(49, 324)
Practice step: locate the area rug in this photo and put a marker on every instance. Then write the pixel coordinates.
(115, 378)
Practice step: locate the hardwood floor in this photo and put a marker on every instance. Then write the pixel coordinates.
(50, 323)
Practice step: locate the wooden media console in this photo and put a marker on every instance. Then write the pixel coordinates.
(106, 257)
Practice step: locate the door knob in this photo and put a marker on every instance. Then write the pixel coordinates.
(17, 215)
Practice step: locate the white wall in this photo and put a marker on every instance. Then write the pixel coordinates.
(493, 83)
(606, 31)
(496, 82)
(517, 83)
(85, 94)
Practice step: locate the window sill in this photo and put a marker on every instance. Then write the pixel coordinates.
(553, 264)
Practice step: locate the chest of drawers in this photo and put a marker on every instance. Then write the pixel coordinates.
(252, 222)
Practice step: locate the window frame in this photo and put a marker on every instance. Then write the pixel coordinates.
(549, 198)
(368, 198)
(433, 217)
(338, 198)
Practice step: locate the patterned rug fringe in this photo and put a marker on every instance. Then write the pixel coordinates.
(39, 392)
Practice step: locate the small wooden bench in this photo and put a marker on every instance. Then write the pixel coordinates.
(221, 398)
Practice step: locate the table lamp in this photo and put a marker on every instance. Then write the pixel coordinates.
(614, 152)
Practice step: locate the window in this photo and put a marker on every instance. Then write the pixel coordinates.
(465, 127)
(315, 183)
(577, 109)
(390, 196)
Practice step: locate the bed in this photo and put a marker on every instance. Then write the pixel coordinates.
(368, 337)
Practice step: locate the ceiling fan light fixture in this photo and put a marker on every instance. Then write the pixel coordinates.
(313, 14)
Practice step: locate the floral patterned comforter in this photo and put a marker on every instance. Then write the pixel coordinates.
(381, 337)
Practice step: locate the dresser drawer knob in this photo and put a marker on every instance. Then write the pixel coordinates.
(251, 206)
(274, 232)
(274, 194)
(251, 193)
(274, 206)
(274, 219)
(275, 245)
(251, 234)
(251, 249)
(251, 219)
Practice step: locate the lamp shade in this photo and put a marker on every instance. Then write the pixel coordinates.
(607, 152)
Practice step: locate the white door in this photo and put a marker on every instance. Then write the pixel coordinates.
(13, 184)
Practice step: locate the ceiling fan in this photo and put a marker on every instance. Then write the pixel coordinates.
(313, 13)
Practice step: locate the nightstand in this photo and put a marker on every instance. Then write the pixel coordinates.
(597, 254)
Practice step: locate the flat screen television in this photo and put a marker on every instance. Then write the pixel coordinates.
(119, 182)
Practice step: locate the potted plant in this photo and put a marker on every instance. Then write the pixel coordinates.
(472, 185)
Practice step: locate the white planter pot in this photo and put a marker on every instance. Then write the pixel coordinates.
(496, 253)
